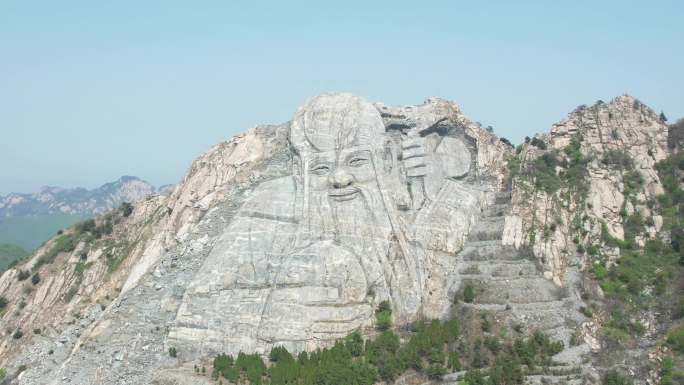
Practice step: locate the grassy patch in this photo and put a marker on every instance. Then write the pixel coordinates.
(9, 254)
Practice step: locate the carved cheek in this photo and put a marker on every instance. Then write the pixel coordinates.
(318, 182)
(363, 174)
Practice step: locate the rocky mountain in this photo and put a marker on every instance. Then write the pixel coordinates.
(394, 244)
(28, 219)
(58, 200)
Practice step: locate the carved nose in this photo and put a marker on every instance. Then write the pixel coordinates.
(340, 178)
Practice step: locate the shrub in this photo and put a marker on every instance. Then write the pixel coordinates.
(17, 334)
(435, 371)
(63, 244)
(35, 279)
(173, 352)
(538, 143)
(676, 339)
(23, 274)
(354, 343)
(613, 377)
(619, 159)
(87, 226)
(454, 361)
(383, 316)
(3, 303)
(586, 311)
(126, 209)
(469, 293)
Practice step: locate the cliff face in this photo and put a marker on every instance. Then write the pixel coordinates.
(293, 234)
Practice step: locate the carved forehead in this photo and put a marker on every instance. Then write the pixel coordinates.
(334, 121)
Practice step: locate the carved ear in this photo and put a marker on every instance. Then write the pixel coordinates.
(298, 167)
(388, 156)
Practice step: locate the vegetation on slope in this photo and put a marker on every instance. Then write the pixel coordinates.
(641, 301)
(431, 348)
(29, 232)
(9, 254)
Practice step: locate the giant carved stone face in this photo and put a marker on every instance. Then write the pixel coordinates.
(342, 174)
(336, 137)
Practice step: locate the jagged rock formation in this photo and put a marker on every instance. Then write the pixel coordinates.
(619, 140)
(292, 234)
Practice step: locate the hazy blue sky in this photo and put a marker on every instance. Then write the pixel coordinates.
(93, 90)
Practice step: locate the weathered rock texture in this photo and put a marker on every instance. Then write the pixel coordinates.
(292, 234)
(363, 213)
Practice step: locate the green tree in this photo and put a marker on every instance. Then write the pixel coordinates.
(454, 361)
(354, 344)
(383, 316)
(469, 293)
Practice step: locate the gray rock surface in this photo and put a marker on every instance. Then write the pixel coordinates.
(365, 215)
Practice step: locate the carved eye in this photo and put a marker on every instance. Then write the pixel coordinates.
(357, 161)
(320, 169)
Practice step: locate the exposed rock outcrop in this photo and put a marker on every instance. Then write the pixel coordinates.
(620, 143)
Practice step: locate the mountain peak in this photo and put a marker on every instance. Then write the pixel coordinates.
(75, 200)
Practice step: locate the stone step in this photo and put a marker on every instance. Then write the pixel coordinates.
(490, 307)
(548, 319)
(552, 375)
(514, 291)
(573, 355)
(502, 197)
(544, 316)
(495, 210)
(488, 250)
(522, 267)
(574, 379)
(487, 229)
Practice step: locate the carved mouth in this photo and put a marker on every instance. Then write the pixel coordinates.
(343, 194)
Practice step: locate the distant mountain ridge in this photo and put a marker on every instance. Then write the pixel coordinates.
(27, 219)
(75, 201)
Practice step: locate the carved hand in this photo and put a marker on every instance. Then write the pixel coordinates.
(413, 156)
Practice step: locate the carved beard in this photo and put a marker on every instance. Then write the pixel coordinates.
(361, 222)
(362, 225)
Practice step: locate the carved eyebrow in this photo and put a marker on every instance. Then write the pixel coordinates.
(318, 159)
(364, 153)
